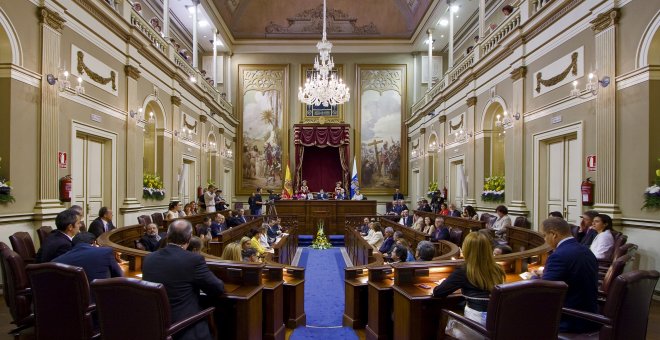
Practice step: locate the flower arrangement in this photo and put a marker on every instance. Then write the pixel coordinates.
(321, 241)
(493, 189)
(652, 193)
(5, 191)
(152, 187)
(433, 187)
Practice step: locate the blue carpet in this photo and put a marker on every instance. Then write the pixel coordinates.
(324, 295)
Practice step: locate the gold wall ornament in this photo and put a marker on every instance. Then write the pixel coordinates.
(519, 73)
(472, 101)
(263, 80)
(50, 18)
(381, 80)
(456, 126)
(442, 119)
(176, 101)
(82, 68)
(203, 118)
(605, 20)
(132, 71)
(190, 126)
(572, 68)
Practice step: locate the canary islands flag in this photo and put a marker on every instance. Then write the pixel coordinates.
(287, 182)
(354, 178)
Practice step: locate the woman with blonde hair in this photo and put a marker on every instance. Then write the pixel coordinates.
(476, 278)
(232, 252)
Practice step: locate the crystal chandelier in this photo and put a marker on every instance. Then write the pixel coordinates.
(323, 88)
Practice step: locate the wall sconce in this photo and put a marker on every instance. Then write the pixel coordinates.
(230, 153)
(62, 80)
(414, 153)
(137, 114)
(212, 146)
(433, 146)
(591, 87)
(80, 90)
(193, 79)
(184, 134)
(462, 135)
(506, 121)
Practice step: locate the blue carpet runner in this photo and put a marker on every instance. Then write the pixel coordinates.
(324, 295)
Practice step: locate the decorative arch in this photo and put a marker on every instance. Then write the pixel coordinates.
(158, 109)
(649, 43)
(433, 159)
(153, 141)
(490, 111)
(10, 46)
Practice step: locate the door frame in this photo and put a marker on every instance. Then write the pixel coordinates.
(195, 160)
(575, 128)
(456, 159)
(107, 135)
(415, 186)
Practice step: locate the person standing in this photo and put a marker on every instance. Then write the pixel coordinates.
(397, 195)
(103, 223)
(183, 273)
(209, 199)
(256, 203)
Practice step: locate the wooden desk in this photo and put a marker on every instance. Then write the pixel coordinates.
(333, 212)
(232, 235)
(294, 297)
(273, 299)
(455, 222)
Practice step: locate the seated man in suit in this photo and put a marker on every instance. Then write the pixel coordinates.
(97, 262)
(218, 225)
(103, 223)
(59, 241)
(274, 230)
(364, 228)
(406, 219)
(79, 210)
(233, 219)
(425, 251)
(576, 265)
(441, 231)
(241, 216)
(151, 239)
(322, 195)
(453, 211)
(397, 195)
(388, 243)
(183, 274)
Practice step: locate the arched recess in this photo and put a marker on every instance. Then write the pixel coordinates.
(154, 126)
(212, 157)
(494, 143)
(10, 45)
(432, 147)
(648, 51)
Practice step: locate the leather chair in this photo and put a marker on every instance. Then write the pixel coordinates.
(574, 229)
(140, 309)
(628, 248)
(158, 219)
(508, 319)
(617, 268)
(619, 240)
(456, 236)
(522, 222)
(22, 243)
(43, 232)
(61, 301)
(238, 206)
(388, 207)
(626, 312)
(3, 247)
(144, 220)
(16, 289)
(488, 218)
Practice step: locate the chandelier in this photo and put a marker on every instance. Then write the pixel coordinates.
(323, 87)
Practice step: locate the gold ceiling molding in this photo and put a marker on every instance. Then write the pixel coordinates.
(572, 68)
(132, 71)
(263, 80)
(605, 20)
(472, 101)
(308, 21)
(458, 125)
(519, 73)
(381, 80)
(51, 18)
(95, 76)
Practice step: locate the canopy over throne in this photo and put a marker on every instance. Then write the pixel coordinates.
(322, 155)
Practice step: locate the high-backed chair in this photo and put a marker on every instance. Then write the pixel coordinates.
(574, 229)
(488, 218)
(158, 218)
(238, 205)
(43, 232)
(22, 244)
(508, 320)
(626, 311)
(522, 222)
(140, 309)
(617, 268)
(16, 289)
(628, 248)
(388, 207)
(456, 236)
(619, 240)
(61, 301)
(144, 219)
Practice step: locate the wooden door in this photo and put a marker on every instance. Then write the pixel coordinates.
(563, 178)
(88, 172)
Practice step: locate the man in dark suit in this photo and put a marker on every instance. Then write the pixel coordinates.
(241, 216)
(183, 274)
(576, 265)
(322, 195)
(233, 219)
(59, 240)
(218, 225)
(364, 228)
(441, 231)
(388, 243)
(97, 262)
(406, 219)
(103, 223)
(397, 195)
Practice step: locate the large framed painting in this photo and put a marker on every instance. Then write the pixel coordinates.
(381, 134)
(319, 113)
(263, 137)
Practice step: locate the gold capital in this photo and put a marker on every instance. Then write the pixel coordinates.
(472, 101)
(519, 73)
(176, 101)
(132, 71)
(442, 119)
(50, 18)
(605, 20)
(203, 118)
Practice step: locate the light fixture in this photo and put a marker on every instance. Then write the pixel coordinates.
(443, 22)
(230, 153)
(203, 23)
(137, 114)
(191, 9)
(462, 136)
(453, 8)
(80, 90)
(219, 43)
(193, 79)
(323, 87)
(151, 117)
(414, 153)
(62, 80)
(432, 146)
(592, 85)
(505, 120)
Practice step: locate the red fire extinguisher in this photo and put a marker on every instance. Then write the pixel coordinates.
(65, 188)
(444, 192)
(587, 189)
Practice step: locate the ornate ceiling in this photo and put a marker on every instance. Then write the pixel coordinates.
(303, 19)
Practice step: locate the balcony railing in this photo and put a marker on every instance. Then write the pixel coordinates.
(492, 40)
(460, 68)
(143, 26)
(538, 5)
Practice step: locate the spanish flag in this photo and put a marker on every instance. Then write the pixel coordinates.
(288, 188)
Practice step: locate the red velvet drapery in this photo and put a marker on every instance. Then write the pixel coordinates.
(321, 136)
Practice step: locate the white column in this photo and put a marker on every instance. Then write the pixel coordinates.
(414, 55)
(166, 18)
(450, 62)
(482, 18)
(228, 78)
(430, 41)
(215, 58)
(194, 17)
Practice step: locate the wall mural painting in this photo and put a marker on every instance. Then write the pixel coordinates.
(263, 107)
(382, 138)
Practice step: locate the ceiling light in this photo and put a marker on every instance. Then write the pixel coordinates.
(191, 9)
(454, 8)
(442, 36)
(443, 22)
(203, 23)
(219, 43)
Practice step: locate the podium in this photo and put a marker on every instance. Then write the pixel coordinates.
(333, 213)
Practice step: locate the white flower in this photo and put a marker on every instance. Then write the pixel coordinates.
(653, 189)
